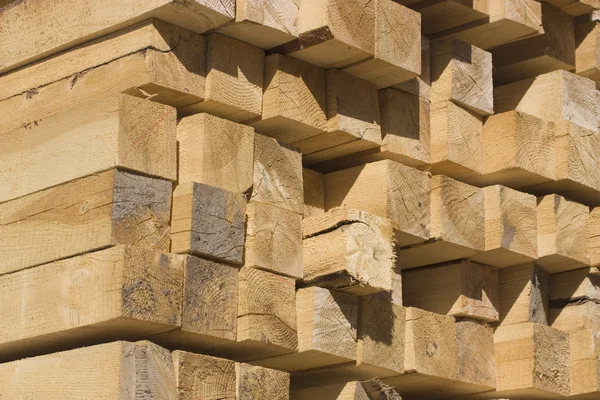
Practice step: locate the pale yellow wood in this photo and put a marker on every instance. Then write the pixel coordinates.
(508, 21)
(117, 131)
(215, 152)
(396, 48)
(526, 58)
(277, 175)
(456, 144)
(174, 77)
(264, 23)
(555, 96)
(294, 100)
(524, 293)
(576, 7)
(405, 127)
(314, 193)
(460, 289)
(457, 225)
(33, 30)
(267, 324)
(510, 227)
(209, 309)
(585, 363)
(352, 119)
(579, 314)
(462, 73)
(117, 370)
(208, 222)
(421, 85)
(110, 208)
(587, 55)
(122, 292)
(327, 331)
(273, 239)
(348, 250)
(387, 189)
(518, 150)
(593, 242)
(234, 80)
(476, 362)
(339, 391)
(575, 285)
(531, 359)
(562, 234)
(442, 15)
(205, 377)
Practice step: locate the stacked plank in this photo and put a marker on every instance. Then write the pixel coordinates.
(299, 199)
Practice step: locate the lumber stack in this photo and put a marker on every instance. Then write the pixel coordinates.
(300, 199)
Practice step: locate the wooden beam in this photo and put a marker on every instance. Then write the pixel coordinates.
(562, 234)
(524, 294)
(33, 32)
(530, 57)
(262, 23)
(91, 213)
(273, 240)
(532, 361)
(352, 120)
(396, 47)
(327, 331)
(234, 80)
(421, 85)
(387, 189)
(123, 292)
(576, 7)
(585, 364)
(337, 391)
(510, 227)
(220, 163)
(348, 250)
(461, 289)
(457, 225)
(593, 242)
(441, 15)
(587, 59)
(108, 371)
(476, 363)
(266, 320)
(462, 73)
(574, 285)
(455, 137)
(174, 77)
(208, 222)
(555, 96)
(204, 377)
(314, 193)
(508, 21)
(277, 175)
(117, 131)
(209, 309)
(518, 150)
(578, 314)
(575, 148)
(294, 100)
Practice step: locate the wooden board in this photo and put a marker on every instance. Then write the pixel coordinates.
(277, 175)
(593, 242)
(107, 371)
(584, 364)
(273, 240)
(262, 23)
(421, 85)
(234, 80)
(267, 324)
(33, 31)
(532, 361)
(576, 7)
(462, 73)
(574, 285)
(524, 293)
(562, 234)
(527, 58)
(579, 314)
(387, 189)
(91, 213)
(457, 225)
(476, 362)
(294, 100)
(174, 77)
(441, 15)
(209, 309)
(226, 157)
(461, 289)
(208, 222)
(348, 250)
(510, 227)
(327, 331)
(118, 131)
(123, 292)
(337, 391)
(587, 59)
(314, 193)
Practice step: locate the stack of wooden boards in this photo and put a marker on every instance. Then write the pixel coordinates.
(299, 199)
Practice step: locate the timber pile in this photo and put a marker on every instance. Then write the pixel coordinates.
(299, 199)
